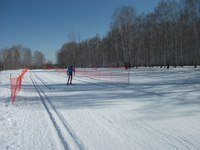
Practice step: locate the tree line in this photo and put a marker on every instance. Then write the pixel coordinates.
(18, 56)
(168, 36)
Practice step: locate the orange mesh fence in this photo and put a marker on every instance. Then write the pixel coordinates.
(23, 73)
(61, 70)
(16, 84)
(109, 75)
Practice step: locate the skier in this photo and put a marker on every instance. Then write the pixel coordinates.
(70, 72)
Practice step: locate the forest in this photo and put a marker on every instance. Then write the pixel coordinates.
(168, 36)
(18, 56)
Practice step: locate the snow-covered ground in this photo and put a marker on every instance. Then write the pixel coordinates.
(159, 109)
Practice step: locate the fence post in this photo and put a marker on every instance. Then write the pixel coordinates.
(11, 90)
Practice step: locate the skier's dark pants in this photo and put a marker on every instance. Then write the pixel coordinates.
(69, 79)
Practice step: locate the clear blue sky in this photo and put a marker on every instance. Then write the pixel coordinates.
(44, 25)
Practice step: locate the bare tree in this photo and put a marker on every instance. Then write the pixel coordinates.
(27, 57)
(123, 19)
(38, 59)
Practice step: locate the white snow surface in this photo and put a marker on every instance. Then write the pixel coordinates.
(159, 109)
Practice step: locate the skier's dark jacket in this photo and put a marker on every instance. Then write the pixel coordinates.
(70, 71)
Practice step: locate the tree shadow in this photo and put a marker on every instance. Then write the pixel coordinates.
(165, 98)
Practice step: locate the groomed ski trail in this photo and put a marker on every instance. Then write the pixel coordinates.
(66, 136)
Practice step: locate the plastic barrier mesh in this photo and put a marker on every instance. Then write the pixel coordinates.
(16, 84)
(108, 75)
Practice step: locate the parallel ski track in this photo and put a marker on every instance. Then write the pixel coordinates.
(44, 82)
(46, 100)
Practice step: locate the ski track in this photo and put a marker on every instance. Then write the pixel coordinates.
(28, 134)
(54, 118)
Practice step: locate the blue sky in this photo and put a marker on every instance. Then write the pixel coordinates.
(44, 25)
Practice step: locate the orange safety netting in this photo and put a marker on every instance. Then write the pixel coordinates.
(109, 75)
(16, 84)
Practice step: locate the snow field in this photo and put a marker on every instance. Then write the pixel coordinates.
(159, 109)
